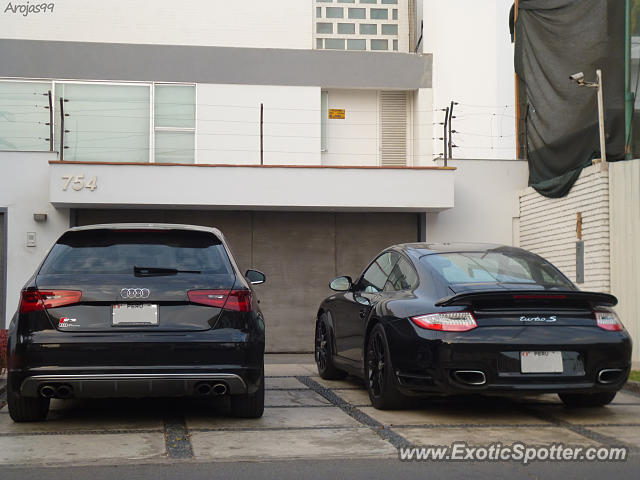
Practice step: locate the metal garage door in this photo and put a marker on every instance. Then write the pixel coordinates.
(300, 252)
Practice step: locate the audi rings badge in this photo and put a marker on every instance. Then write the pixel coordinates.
(135, 293)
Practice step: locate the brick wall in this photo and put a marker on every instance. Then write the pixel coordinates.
(547, 226)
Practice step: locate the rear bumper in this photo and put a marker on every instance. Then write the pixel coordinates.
(137, 364)
(428, 362)
(132, 385)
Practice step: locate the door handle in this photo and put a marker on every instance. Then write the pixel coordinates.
(363, 313)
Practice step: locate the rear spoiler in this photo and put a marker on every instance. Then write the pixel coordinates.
(468, 298)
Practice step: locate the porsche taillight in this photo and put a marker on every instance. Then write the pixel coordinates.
(37, 300)
(608, 321)
(446, 321)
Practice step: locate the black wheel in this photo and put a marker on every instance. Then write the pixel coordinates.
(25, 409)
(324, 352)
(587, 399)
(379, 376)
(250, 405)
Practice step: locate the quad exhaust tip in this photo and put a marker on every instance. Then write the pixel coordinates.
(609, 375)
(48, 391)
(475, 378)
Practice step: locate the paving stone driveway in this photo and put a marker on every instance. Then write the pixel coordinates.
(305, 417)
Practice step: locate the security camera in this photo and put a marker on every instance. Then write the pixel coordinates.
(577, 77)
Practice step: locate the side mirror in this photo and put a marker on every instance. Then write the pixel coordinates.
(341, 284)
(255, 277)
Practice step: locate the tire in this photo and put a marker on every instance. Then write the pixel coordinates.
(250, 405)
(599, 399)
(25, 409)
(380, 378)
(323, 351)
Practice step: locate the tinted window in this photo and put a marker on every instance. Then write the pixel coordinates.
(376, 275)
(495, 266)
(117, 252)
(403, 277)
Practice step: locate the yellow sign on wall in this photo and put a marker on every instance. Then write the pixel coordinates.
(336, 113)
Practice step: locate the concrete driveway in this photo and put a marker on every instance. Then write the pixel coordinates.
(305, 417)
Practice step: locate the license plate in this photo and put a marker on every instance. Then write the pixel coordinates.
(541, 362)
(134, 314)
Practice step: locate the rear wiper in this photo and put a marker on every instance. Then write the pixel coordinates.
(157, 271)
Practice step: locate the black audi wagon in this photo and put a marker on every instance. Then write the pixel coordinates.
(137, 310)
(427, 319)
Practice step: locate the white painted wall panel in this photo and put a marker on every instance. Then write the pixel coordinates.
(354, 140)
(228, 124)
(624, 181)
(483, 212)
(472, 65)
(249, 23)
(24, 190)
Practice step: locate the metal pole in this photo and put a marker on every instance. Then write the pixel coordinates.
(50, 122)
(603, 152)
(446, 118)
(61, 129)
(261, 134)
(450, 137)
(628, 94)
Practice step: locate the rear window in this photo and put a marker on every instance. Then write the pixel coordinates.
(495, 266)
(118, 251)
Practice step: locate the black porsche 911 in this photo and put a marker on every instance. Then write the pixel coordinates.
(429, 319)
(137, 310)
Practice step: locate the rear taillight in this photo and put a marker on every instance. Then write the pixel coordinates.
(236, 300)
(36, 300)
(447, 321)
(608, 321)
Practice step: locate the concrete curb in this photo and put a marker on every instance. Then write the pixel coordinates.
(632, 386)
(3, 383)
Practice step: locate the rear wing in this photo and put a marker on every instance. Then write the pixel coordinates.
(528, 296)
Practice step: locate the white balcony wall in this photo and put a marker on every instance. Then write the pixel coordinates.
(228, 125)
(353, 141)
(253, 23)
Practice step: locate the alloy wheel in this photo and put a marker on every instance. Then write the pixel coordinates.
(376, 362)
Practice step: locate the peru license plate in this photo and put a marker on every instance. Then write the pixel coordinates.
(134, 314)
(541, 362)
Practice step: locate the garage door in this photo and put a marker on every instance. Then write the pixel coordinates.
(300, 252)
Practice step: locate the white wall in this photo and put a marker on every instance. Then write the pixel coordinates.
(228, 124)
(354, 140)
(548, 227)
(624, 200)
(24, 190)
(472, 65)
(248, 23)
(255, 187)
(484, 202)
(423, 119)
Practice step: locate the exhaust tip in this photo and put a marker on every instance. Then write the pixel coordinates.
(609, 375)
(219, 389)
(64, 391)
(47, 391)
(203, 389)
(470, 377)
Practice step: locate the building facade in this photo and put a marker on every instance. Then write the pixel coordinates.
(305, 130)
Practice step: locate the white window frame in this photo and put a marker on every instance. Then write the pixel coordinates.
(193, 129)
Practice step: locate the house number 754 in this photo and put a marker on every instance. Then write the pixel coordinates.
(78, 182)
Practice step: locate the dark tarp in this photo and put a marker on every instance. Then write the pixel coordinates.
(555, 39)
